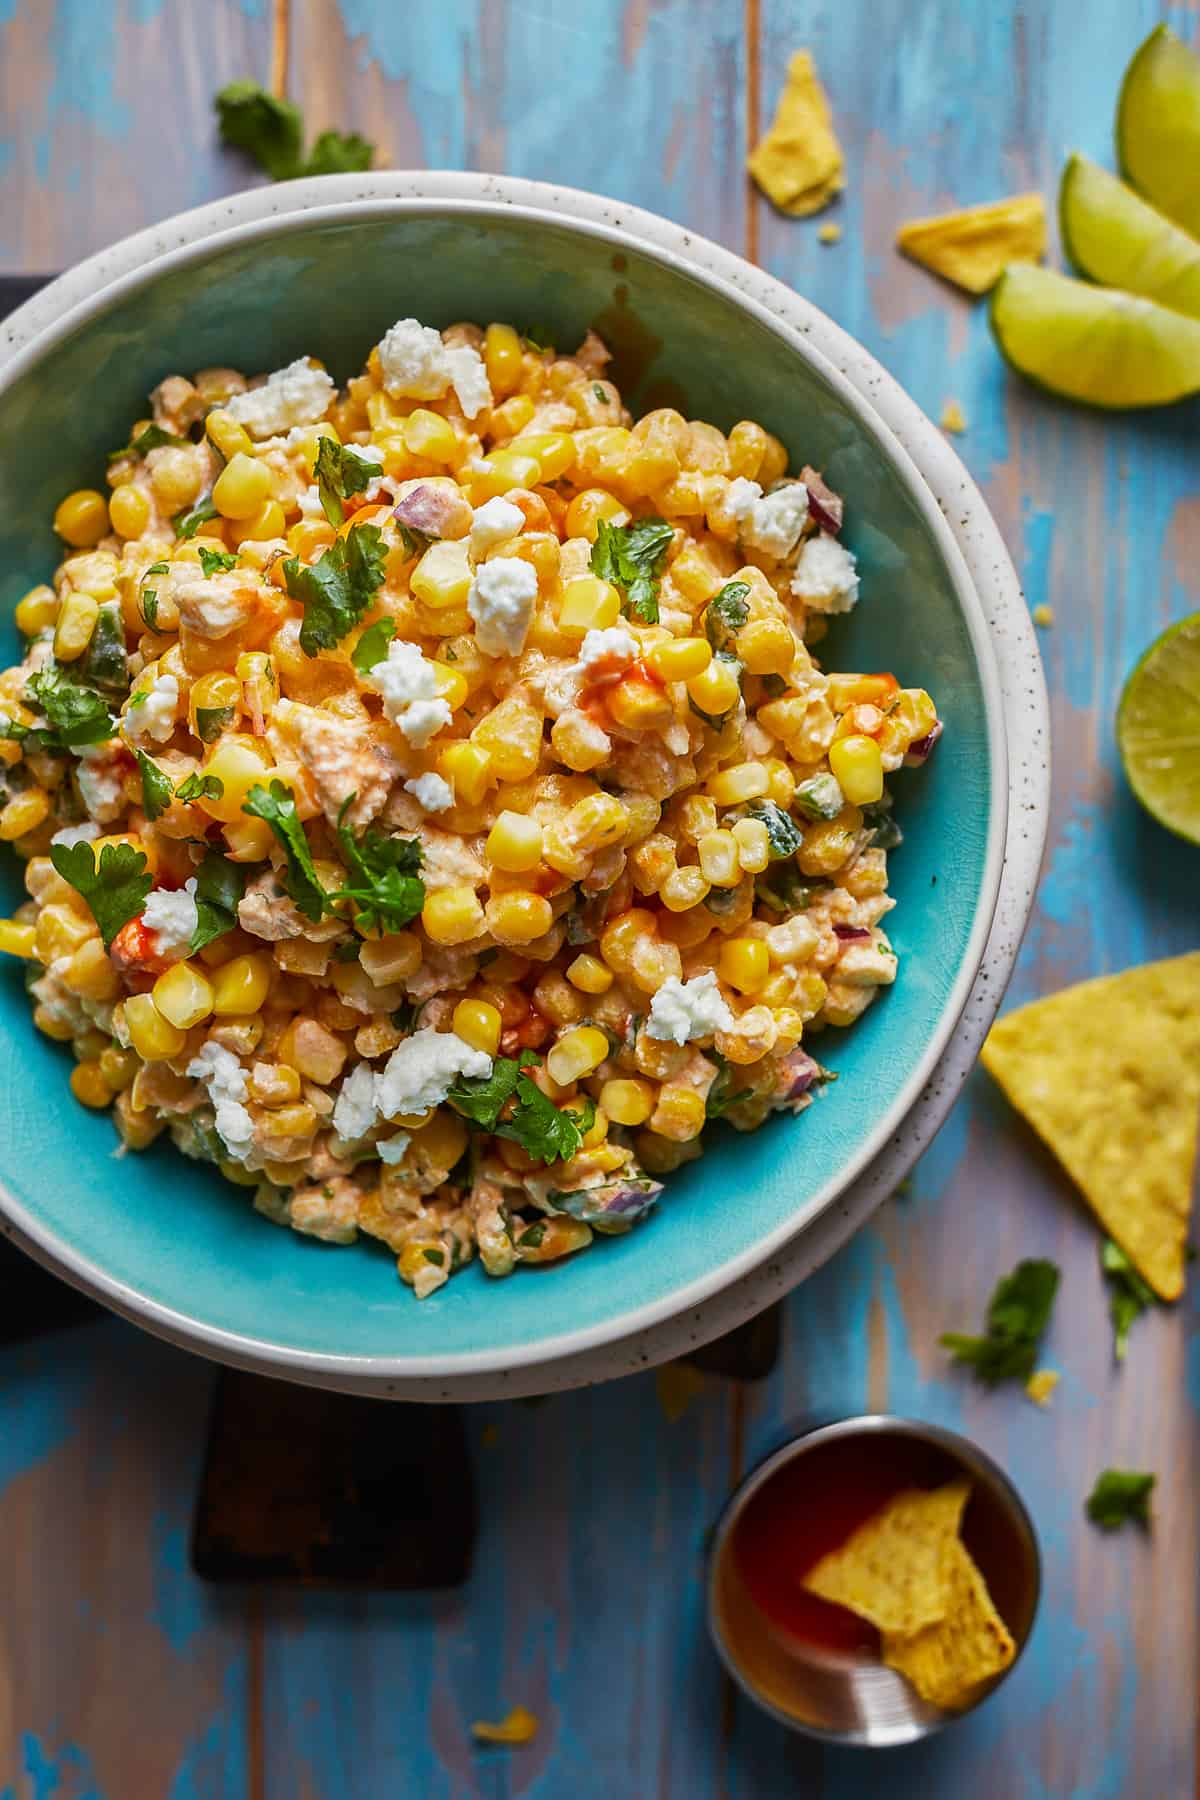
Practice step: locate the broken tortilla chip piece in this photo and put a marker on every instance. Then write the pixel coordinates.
(973, 248)
(893, 1571)
(520, 1726)
(798, 164)
(949, 1661)
(1108, 1075)
(1041, 1385)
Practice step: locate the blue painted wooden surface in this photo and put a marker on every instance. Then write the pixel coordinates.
(120, 1677)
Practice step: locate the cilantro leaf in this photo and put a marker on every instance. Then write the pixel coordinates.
(152, 438)
(157, 791)
(217, 562)
(1118, 1496)
(271, 131)
(783, 834)
(339, 153)
(220, 885)
(277, 805)
(200, 787)
(820, 797)
(538, 340)
(384, 883)
(1017, 1316)
(106, 664)
(548, 1132)
(717, 721)
(372, 646)
(337, 590)
(338, 473)
(726, 613)
(115, 892)
(481, 1098)
(211, 722)
(415, 541)
(188, 522)
(1129, 1295)
(148, 598)
(633, 557)
(723, 1093)
(77, 715)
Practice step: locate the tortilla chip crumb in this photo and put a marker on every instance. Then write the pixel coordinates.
(830, 233)
(972, 248)
(677, 1385)
(799, 164)
(1043, 615)
(953, 417)
(1041, 1385)
(519, 1727)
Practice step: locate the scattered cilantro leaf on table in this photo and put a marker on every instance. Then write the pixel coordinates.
(1120, 1495)
(1017, 1316)
(338, 473)
(339, 587)
(277, 805)
(115, 891)
(271, 131)
(1128, 1296)
(220, 885)
(633, 557)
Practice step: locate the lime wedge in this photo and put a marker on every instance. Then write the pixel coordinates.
(1114, 236)
(1158, 729)
(1093, 343)
(1158, 126)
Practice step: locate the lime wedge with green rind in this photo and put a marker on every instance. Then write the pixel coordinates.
(1158, 127)
(1158, 729)
(1093, 343)
(1114, 236)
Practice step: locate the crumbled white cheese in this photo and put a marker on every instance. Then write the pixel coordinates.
(417, 365)
(391, 1150)
(431, 792)
(468, 378)
(420, 1071)
(771, 522)
(214, 605)
(613, 646)
(172, 915)
(367, 452)
(494, 523)
(500, 601)
(77, 834)
(406, 680)
(227, 1084)
(297, 395)
(309, 502)
(152, 711)
(825, 577)
(354, 1110)
(684, 1010)
(101, 782)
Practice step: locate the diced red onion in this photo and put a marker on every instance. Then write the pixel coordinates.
(826, 507)
(851, 934)
(425, 509)
(797, 1073)
(918, 752)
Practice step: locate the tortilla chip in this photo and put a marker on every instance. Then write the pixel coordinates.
(798, 164)
(893, 1571)
(948, 1662)
(1108, 1075)
(973, 248)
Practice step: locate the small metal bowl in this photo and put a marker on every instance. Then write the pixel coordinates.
(850, 1698)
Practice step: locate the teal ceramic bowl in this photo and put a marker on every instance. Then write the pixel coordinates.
(167, 1241)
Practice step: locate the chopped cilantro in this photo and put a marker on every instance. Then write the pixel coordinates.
(600, 393)
(723, 1093)
(538, 340)
(415, 542)
(384, 881)
(784, 889)
(773, 686)
(338, 473)
(149, 604)
(211, 722)
(115, 891)
(718, 721)
(152, 438)
(1129, 1295)
(820, 797)
(271, 131)
(106, 666)
(217, 562)
(157, 791)
(220, 885)
(1118, 1496)
(436, 1257)
(337, 590)
(76, 715)
(885, 833)
(372, 646)
(531, 1239)
(548, 1132)
(188, 522)
(1017, 1316)
(783, 834)
(277, 805)
(633, 557)
(200, 787)
(726, 613)
(480, 1098)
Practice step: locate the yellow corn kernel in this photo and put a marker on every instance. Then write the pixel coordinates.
(16, 939)
(588, 604)
(468, 769)
(554, 450)
(638, 704)
(747, 446)
(510, 417)
(90, 974)
(589, 975)
(241, 985)
(219, 692)
(858, 766)
(576, 1054)
(679, 1114)
(153, 1037)
(238, 767)
(309, 538)
(718, 852)
(176, 477)
(118, 1068)
(428, 435)
(275, 1084)
(753, 845)
(76, 623)
(683, 888)
(501, 471)
(781, 783)
(588, 508)
(828, 843)
(51, 1026)
(687, 929)
(37, 611)
(443, 1138)
(230, 437)
(442, 578)
(478, 1023)
(316, 1053)
(266, 522)
(82, 518)
(502, 356)
(618, 945)
(745, 781)
(774, 461)
(558, 1001)
(391, 958)
(744, 963)
(88, 1084)
(452, 915)
(129, 510)
(248, 839)
(595, 822)
(242, 487)
(24, 812)
(183, 995)
(451, 686)
(518, 917)
(680, 658)
(512, 736)
(627, 1102)
(767, 647)
(715, 690)
(514, 843)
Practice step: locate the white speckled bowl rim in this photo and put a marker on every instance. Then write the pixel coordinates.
(1023, 719)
